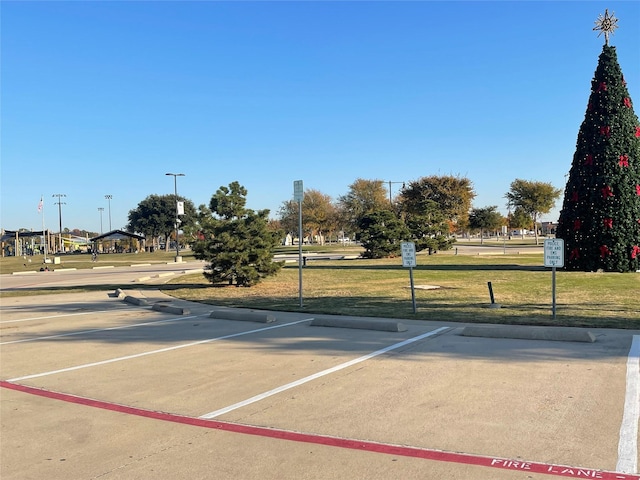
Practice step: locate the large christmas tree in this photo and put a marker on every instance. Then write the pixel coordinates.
(600, 217)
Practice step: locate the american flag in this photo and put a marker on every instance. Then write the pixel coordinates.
(40, 206)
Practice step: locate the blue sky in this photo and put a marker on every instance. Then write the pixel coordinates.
(104, 98)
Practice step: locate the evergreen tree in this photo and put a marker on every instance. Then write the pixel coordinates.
(600, 217)
(237, 242)
(381, 234)
(429, 228)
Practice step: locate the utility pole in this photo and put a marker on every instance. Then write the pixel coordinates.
(392, 183)
(60, 203)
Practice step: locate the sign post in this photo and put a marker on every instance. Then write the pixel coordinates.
(298, 195)
(504, 239)
(408, 250)
(553, 257)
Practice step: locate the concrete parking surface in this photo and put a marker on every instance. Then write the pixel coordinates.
(94, 387)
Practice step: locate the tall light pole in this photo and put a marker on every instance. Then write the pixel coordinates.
(109, 197)
(60, 203)
(175, 190)
(101, 209)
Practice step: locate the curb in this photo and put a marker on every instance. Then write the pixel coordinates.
(135, 300)
(243, 315)
(560, 334)
(163, 307)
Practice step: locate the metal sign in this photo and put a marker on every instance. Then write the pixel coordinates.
(408, 250)
(298, 191)
(554, 258)
(554, 252)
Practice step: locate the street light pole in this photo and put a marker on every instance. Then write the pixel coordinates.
(175, 191)
(60, 203)
(101, 209)
(109, 197)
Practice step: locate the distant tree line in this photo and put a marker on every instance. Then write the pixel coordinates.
(239, 242)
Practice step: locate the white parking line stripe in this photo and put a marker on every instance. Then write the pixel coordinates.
(120, 327)
(282, 388)
(65, 315)
(628, 443)
(152, 352)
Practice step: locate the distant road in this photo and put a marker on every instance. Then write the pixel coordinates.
(96, 276)
(494, 249)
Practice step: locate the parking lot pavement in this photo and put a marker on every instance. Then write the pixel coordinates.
(129, 392)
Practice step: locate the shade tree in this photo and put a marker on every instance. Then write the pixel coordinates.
(452, 194)
(485, 219)
(363, 197)
(533, 197)
(319, 215)
(155, 217)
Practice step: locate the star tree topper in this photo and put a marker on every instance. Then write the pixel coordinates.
(606, 24)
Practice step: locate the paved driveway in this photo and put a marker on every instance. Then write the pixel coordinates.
(93, 387)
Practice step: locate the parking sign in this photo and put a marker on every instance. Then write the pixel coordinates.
(408, 254)
(554, 252)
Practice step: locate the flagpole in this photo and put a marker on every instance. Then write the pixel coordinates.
(44, 233)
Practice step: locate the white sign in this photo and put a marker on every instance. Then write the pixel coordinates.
(180, 206)
(554, 252)
(298, 191)
(408, 250)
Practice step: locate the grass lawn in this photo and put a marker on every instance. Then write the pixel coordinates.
(381, 288)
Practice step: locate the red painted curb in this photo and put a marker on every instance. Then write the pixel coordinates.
(385, 448)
